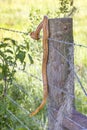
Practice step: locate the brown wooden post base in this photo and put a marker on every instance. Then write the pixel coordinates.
(75, 117)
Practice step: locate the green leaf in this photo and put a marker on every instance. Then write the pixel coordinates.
(1, 87)
(30, 58)
(4, 70)
(24, 65)
(2, 54)
(12, 40)
(3, 45)
(9, 51)
(10, 58)
(22, 47)
(1, 76)
(21, 56)
(27, 44)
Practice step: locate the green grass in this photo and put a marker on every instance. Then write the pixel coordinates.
(80, 36)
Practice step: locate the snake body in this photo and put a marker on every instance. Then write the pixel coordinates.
(35, 35)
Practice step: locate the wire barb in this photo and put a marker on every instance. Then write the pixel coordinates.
(14, 31)
(67, 43)
(72, 69)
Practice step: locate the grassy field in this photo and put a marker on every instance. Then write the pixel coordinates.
(15, 14)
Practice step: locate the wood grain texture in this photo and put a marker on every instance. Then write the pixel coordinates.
(60, 73)
(76, 117)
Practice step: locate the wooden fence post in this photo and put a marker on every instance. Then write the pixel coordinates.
(60, 72)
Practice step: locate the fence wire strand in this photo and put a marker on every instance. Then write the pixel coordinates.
(72, 69)
(14, 31)
(9, 126)
(61, 90)
(50, 39)
(25, 111)
(24, 91)
(72, 96)
(17, 119)
(67, 43)
(67, 117)
(76, 123)
(29, 74)
(14, 102)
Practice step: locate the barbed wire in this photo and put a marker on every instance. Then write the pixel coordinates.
(78, 79)
(51, 107)
(25, 91)
(50, 39)
(14, 31)
(59, 88)
(70, 95)
(80, 45)
(9, 126)
(25, 111)
(67, 43)
(17, 104)
(29, 74)
(68, 118)
(18, 119)
(76, 123)
(72, 69)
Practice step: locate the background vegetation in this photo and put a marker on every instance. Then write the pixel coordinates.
(20, 57)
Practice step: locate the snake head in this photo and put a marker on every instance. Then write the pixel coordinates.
(34, 35)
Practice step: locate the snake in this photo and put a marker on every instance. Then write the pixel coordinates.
(36, 36)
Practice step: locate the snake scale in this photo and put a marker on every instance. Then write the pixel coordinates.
(36, 36)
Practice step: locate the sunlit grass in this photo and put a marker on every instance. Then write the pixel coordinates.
(80, 37)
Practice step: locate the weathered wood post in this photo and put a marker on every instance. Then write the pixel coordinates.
(60, 72)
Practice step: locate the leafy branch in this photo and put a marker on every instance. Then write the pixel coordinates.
(12, 54)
